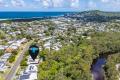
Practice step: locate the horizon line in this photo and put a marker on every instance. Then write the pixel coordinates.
(58, 11)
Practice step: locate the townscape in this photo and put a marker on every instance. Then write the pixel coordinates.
(54, 36)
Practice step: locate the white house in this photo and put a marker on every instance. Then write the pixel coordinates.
(5, 57)
(31, 68)
(30, 73)
(117, 66)
(2, 66)
(47, 45)
(2, 47)
(31, 61)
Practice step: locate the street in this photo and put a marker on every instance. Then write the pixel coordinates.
(12, 72)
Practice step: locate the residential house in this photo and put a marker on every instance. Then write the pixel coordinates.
(30, 73)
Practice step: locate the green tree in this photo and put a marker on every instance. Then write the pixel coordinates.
(11, 59)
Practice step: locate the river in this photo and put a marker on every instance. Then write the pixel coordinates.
(98, 64)
(97, 69)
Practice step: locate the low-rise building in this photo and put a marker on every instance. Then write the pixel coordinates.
(118, 67)
(30, 73)
(5, 57)
(3, 47)
(2, 66)
(3, 61)
(31, 61)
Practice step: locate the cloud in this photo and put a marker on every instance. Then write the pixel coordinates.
(111, 2)
(75, 3)
(105, 1)
(37, 0)
(47, 3)
(92, 5)
(44, 3)
(57, 3)
(18, 3)
(3, 4)
(116, 2)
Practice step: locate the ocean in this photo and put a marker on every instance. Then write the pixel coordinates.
(14, 15)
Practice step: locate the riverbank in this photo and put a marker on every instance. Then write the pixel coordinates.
(103, 65)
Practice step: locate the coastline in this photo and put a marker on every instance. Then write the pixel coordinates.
(26, 19)
(30, 15)
(29, 19)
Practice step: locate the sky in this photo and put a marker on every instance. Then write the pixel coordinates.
(59, 5)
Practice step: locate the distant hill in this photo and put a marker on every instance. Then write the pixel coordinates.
(85, 16)
(101, 13)
(94, 15)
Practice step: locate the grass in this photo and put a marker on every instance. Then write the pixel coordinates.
(1, 76)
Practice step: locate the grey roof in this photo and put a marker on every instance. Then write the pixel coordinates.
(2, 64)
(24, 76)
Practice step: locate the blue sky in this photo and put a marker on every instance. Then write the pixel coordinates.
(59, 5)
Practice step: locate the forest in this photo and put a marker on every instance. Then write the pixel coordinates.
(73, 61)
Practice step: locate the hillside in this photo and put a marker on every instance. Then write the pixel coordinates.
(95, 15)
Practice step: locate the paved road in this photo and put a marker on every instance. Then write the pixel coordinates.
(12, 72)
